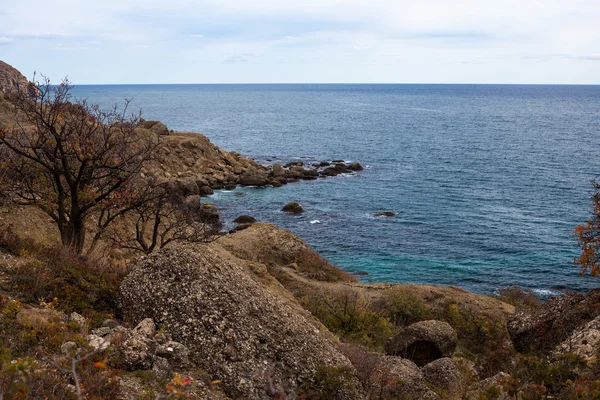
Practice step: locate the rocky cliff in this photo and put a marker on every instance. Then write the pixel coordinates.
(11, 79)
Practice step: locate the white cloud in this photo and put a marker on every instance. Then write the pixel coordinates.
(398, 41)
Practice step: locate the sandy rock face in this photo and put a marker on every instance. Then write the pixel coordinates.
(236, 330)
(424, 342)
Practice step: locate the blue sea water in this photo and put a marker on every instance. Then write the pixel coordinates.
(488, 180)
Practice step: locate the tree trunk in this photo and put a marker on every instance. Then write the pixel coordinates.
(73, 235)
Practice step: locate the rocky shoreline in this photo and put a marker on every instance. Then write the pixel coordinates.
(199, 167)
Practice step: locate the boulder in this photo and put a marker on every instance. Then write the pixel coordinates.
(206, 191)
(253, 179)
(293, 207)
(452, 375)
(399, 378)
(542, 329)
(244, 219)
(355, 166)
(155, 126)
(334, 170)
(423, 342)
(278, 170)
(188, 186)
(237, 330)
(297, 172)
(209, 213)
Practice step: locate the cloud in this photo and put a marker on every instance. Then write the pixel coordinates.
(353, 40)
(240, 58)
(6, 40)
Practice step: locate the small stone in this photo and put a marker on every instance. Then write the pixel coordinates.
(78, 319)
(68, 348)
(103, 331)
(97, 343)
(146, 328)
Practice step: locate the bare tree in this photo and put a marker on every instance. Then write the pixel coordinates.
(164, 216)
(71, 160)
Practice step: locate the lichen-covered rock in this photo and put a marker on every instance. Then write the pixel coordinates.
(452, 375)
(399, 378)
(423, 342)
(583, 341)
(543, 328)
(236, 330)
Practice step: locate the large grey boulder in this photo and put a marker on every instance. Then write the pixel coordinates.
(238, 331)
(452, 375)
(423, 342)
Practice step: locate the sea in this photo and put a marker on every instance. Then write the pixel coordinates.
(488, 181)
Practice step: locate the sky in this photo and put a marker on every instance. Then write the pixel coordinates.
(309, 41)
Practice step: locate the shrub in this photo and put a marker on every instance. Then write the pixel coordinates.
(402, 307)
(55, 275)
(349, 314)
(518, 297)
(329, 383)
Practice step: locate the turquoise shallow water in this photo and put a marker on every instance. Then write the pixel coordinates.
(488, 181)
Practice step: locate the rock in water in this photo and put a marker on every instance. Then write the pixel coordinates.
(424, 342)
(384, 214)
(244, 219)
(293, 207)
(236, 329)
(355, 166)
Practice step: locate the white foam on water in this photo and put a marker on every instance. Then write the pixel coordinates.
(546, 292)
(316, 221)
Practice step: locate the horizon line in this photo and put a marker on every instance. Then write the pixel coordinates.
(339, 83)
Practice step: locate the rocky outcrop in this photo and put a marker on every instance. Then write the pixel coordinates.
(255, 343)
(543, 328)
(155, 126)
(11, 79)
(583, 341)
(423, 342)
(191, 158)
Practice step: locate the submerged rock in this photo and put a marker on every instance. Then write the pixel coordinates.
(384, 214)
(244, 219)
